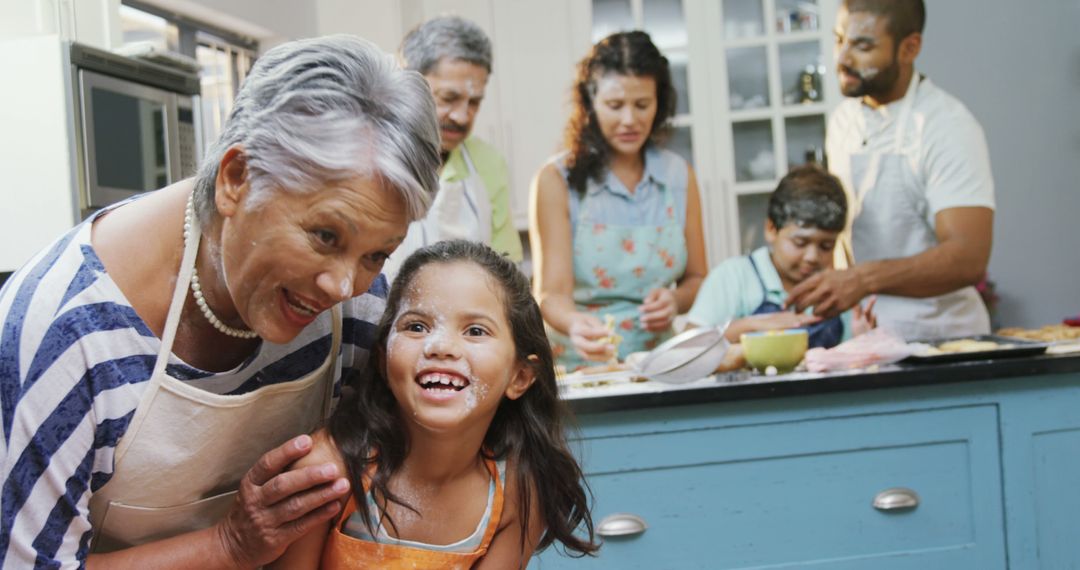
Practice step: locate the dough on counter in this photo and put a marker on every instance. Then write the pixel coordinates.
(1049, 333)
(968, 345)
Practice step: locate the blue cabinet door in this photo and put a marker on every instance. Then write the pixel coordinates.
(1041, 447)
(798, 494)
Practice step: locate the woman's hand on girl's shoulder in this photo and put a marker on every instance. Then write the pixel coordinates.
(306, 551)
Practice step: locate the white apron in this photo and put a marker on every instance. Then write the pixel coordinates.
(178, 466)
(891, 220)
(461, 210)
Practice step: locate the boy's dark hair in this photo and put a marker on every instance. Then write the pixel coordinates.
(809, 197)
(528, 431)
(905, 17)
(624, 53)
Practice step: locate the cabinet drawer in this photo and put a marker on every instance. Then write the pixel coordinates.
(799, 494)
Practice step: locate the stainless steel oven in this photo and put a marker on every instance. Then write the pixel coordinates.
(136, 122)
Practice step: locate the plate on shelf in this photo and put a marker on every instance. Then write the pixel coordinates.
(973, 347)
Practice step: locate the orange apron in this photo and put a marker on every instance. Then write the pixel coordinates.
(343, 551)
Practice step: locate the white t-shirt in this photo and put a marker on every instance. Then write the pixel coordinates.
(943, 162)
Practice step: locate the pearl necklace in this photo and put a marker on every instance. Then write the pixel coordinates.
(196, 288)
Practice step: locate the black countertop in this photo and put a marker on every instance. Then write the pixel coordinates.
(746, 386)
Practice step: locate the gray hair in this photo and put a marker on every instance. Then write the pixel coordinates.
(445, 37)
(323, 110)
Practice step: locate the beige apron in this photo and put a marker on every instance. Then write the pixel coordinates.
(890, 219)
(178, 466)
(461, 210)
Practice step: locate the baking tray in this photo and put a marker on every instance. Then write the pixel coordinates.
(1009, 347)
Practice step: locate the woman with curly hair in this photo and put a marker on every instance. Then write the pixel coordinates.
(615, 220)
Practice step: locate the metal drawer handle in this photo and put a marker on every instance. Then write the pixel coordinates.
(621, 524)
(896, 498)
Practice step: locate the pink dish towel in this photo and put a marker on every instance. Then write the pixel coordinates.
(878, 346)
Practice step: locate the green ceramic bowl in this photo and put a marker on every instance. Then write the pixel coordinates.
(782, 349)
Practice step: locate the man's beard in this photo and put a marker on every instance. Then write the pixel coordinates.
(877, 84)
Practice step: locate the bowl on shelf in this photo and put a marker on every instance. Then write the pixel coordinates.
(780, 349)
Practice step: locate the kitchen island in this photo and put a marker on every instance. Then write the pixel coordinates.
(960, 465)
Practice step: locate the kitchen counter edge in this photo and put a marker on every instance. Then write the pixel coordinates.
(743, 386)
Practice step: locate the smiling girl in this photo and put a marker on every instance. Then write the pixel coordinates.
(454, 442)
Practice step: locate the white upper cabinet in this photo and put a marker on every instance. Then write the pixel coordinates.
(772, 75)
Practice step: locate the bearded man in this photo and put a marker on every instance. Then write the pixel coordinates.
(916, 169)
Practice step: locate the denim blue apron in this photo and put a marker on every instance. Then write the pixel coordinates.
(615, 267)
(824, 334)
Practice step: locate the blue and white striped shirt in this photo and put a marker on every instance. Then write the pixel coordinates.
(74, 360)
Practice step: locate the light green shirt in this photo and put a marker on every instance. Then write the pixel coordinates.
(492, 169)
(732, 291)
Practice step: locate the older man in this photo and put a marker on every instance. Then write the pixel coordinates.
(473, 201)
(916, 169)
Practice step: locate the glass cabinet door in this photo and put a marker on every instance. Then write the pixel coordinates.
(801, 73)
(774, 65)
(748, 87)
(743, 19)
(610, 16)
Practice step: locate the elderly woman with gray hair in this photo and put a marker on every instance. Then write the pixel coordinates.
(159, 361)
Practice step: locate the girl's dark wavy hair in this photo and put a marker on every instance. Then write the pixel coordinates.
(623, 53)
(528, 431)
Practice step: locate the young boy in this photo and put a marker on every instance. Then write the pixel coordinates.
(806, 214)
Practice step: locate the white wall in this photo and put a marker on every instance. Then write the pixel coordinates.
(269, 21)
(92, 22)
(1017, 67)
(38, 203)
(376, 20)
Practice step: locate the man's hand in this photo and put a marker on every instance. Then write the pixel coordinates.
(273, 508)
(829, 292)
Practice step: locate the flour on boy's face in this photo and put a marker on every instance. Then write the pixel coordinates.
(450, 352)
(798, 251)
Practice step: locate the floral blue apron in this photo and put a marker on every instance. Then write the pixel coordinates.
(615, 267)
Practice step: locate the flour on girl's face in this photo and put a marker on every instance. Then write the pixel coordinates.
(436, 343)
(451, 318)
